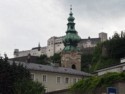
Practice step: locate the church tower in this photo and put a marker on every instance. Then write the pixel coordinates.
(71, 57)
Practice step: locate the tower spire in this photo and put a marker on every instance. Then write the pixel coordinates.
(39, 46)
(70, 11)
(71, 57)
(70, 8)
(71, 39)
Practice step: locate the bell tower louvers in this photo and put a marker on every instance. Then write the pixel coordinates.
(71, 57)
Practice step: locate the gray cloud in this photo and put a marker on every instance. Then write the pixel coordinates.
(24, 23)
(93, 15)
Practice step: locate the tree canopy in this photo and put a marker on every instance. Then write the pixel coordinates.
(43, 59)
(15, 78)
(110, 52)
(95, 83)
(56, 58)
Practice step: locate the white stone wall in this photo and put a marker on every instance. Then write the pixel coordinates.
(51, 83)
(22, 53)
(36, 52)
(55, 45)
(50, 46)
(59, 46)
(119, 69)
(103, 36)
(122, 60)
(33, 52)
(43, 50)
(88, 44)
(123, 69)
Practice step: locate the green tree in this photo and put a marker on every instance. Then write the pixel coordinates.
(56, 58)
(86, 60)
(116, 36)
(28, 87)
(108, 53)
(95, 83)
(43, 59)
(11, 74)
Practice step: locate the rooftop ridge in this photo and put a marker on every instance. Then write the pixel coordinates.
(40, 67)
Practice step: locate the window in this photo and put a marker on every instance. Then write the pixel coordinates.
(73, 66)
(74, 80)
(44, 78)
(71, 27)
(32, 76)
(58, 80)
(66, 80)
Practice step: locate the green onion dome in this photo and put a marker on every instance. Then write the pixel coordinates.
(71, 18)
(71, 39)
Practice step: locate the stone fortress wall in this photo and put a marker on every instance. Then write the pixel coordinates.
(55, 45)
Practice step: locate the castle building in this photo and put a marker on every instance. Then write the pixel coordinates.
(103, 36)
(36, 51)
(55, 45)
(87, 45)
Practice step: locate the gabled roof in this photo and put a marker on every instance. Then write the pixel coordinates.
(46, 68)
(111, 67)
(25, 58)
(38, 48)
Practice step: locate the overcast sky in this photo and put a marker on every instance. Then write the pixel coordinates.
(25, 23)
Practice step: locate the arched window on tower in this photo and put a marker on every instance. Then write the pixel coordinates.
(73, 66)
(71, 27)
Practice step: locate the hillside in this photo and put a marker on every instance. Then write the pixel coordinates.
(106, 54)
